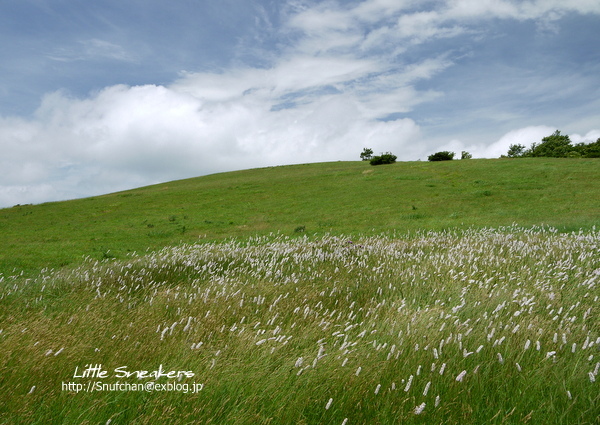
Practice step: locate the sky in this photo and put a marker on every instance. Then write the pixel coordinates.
(107, 95)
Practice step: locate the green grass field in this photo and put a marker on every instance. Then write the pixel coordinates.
(464, 292)
(335, 198)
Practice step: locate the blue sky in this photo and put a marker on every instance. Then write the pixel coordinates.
(106, 95)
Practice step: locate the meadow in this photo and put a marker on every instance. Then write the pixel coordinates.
(396, 320)
(330, 198)
(480, 326)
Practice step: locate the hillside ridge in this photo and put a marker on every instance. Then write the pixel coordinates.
(318, 198)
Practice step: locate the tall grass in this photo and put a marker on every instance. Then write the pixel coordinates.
(454, 327)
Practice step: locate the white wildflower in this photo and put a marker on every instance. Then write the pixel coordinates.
(321, 352)
(419, 409)
(328, 405)
(377, 389)
(408, 384)
(461, 376)
(426, 390)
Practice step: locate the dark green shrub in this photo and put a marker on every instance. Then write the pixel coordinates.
(441, 156)
(555, 146)
(591, 150)
(386, 158)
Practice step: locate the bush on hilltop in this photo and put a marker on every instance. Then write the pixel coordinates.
(386, 158)
(441, 156)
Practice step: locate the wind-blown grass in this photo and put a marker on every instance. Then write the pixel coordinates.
(473, 326)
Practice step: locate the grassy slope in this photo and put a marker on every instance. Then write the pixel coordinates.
(339, 197)
(394, 300)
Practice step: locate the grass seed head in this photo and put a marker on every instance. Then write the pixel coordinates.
(328, 405)
(419, 409)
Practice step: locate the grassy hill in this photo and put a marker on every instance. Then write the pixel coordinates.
(336, 198)
(358, 323)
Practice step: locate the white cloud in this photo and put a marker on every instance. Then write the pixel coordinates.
(130, 136)
(589, 137)
(322, 18)
(330, 26)
(521, 10)
(373, 10)
(453, 17)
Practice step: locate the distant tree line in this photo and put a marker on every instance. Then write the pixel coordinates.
(555, 146)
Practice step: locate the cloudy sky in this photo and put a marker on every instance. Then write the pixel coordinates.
(104, 95)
